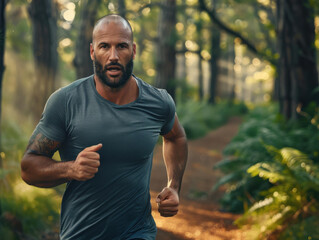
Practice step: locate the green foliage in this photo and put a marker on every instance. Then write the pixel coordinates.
(198, 118)
(279, 189)
(290, 202)
(34, 211)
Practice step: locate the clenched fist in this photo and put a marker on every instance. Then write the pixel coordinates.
(86, 164)
(167, 202)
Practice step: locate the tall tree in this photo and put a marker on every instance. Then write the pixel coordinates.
(166, 49)
(122, 8)
(297, 71)
(82, 61)
(2, 66)
(43, 14)
(199, 27)
(215, 53)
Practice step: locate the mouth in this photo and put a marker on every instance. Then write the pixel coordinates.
(114, 70)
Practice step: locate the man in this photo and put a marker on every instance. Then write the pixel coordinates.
(105, 127)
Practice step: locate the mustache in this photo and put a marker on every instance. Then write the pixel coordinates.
(114, 64)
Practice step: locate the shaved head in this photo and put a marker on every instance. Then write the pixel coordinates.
(112, 18)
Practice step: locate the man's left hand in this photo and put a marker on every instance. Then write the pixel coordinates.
(167, 202)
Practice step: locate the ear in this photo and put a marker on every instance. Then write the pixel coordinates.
(92, 51)
(134, 50)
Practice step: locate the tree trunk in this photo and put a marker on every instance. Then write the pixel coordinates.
(122, 8)
(44, 21)
(199, 26)
(2, 66)
(298, 75)
(82, 60)
(214, 68)
(166, 51)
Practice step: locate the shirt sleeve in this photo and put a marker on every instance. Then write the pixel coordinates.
(52, 122)
(170, 117)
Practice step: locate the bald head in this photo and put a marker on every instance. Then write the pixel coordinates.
(113, 18)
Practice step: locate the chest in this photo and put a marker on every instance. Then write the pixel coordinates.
(126, 133)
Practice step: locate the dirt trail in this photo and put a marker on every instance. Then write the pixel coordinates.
(199, 216)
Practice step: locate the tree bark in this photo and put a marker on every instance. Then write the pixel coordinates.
(215, 56)
(2, 66)
(199, 26)
(44, 21)
(166, 51)
(122, 8)
(82, 61)
(298, 75)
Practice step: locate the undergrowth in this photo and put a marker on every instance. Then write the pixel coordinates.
(272, 174)
(198, 118)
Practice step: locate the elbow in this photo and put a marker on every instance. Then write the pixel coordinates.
(25, 172)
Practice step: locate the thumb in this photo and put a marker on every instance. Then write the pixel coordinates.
(161, 196)
(93, 148)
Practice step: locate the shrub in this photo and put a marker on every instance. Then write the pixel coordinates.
(198, 118)
(293, 200)
(278, 189)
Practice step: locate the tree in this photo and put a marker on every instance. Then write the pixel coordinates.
(43, 14)
(2, 66)
(166, 49)
(82, 60)
(297, 71)
(122, 8)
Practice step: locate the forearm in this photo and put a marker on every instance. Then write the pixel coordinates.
(175, 156)
(42, 171)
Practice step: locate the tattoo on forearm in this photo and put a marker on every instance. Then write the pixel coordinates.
(41, 145)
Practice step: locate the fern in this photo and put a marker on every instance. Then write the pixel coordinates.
(291, 200)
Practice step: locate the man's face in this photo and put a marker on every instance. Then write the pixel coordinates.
(112, 52)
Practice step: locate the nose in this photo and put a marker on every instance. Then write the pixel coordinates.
(113, 55)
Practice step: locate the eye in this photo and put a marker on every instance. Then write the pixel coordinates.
(104, 45)
(122, 46)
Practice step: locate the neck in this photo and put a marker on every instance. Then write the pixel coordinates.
(120, 96)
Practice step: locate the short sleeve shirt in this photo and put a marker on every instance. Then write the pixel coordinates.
(115, 204)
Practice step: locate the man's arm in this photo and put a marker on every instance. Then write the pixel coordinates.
(39, 169)
(175, 156)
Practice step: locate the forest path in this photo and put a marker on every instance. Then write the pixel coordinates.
(199, 216)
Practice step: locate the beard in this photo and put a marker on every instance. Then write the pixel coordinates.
(100, 71)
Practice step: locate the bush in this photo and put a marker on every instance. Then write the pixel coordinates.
(198, 118)
(290, 203)
(272, 173)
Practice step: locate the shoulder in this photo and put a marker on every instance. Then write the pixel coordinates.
(74, 86)
(71, 90)
(152, 93)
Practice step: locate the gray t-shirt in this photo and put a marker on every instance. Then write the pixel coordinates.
(115, 204)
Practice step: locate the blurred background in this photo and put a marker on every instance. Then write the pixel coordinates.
(252, 63)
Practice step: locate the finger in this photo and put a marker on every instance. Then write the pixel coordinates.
(93, 148)
(90, 170)
(168, 214)
(172, 209)
(169, 202)
(162, 195)
(91, 155)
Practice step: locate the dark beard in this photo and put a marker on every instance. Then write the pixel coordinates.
(100, 71)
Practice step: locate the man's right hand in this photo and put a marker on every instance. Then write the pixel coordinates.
(86, 164)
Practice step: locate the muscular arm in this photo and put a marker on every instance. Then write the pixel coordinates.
(175, 157)
(39, 169)
(37, 166)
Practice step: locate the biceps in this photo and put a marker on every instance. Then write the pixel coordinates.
(176, 132)
(41, 145)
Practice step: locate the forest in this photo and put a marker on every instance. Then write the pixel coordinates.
(255, 60)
